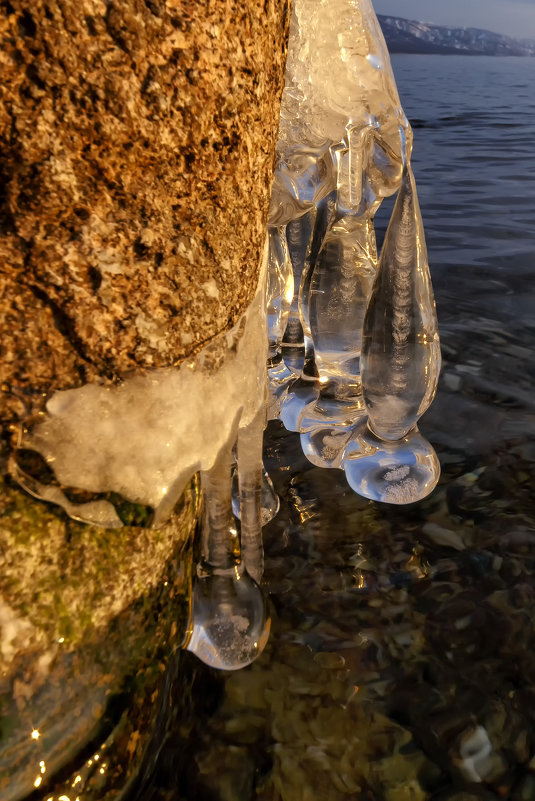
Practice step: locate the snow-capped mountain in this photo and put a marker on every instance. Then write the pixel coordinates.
(409, 36)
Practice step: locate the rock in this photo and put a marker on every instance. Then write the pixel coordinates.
(137, 146)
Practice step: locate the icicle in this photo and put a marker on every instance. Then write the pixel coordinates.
(219, 536)
(229, 624)
(401, 349)
(387, 458)
(280, 295)
(280, 290)
(250, 473)
(340, 287)
(298, 237)
(305, 390)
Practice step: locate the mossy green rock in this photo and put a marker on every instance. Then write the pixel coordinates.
(88, 620)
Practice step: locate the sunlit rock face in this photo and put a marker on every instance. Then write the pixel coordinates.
(137, 148)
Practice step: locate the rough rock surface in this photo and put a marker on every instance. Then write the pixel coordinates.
(85, 614)
(136, 150)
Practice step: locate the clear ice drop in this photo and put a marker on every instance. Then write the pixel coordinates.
(399, 472)
(325, 447)
(230, 622)
(400, 360)
(219, 536)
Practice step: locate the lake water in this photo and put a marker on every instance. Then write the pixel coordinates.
(401, 665)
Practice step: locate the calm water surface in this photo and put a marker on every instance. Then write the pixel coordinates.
(401, 665)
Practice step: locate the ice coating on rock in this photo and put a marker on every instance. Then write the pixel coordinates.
(144, 438)
(338, 74)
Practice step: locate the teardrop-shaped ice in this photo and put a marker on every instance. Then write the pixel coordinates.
(400, 360)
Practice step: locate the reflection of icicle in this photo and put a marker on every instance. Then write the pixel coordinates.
(250, 469)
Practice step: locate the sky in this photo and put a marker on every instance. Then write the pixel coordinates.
(512, 17)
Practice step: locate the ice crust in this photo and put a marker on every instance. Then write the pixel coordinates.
(338, 79)
(147, 436)
(335, 73)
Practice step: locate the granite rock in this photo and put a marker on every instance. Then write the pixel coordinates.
(137, 142)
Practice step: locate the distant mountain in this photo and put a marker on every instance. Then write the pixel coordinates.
(408, 36)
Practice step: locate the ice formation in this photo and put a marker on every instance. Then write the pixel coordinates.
(401, 349)
(144, 438)
(339, 322)
(360, 334)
